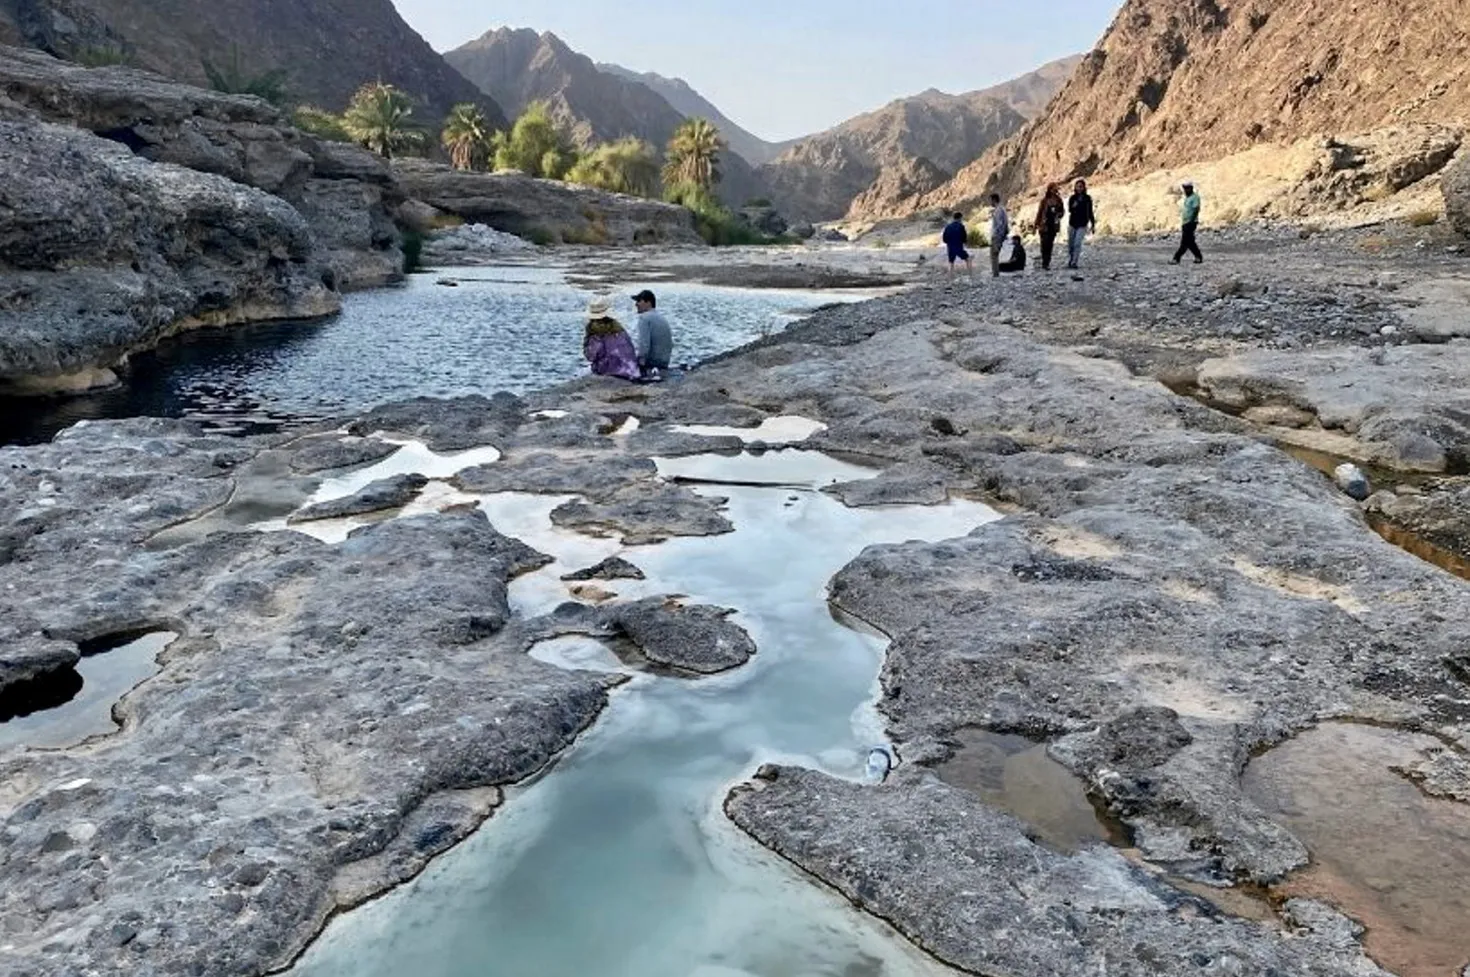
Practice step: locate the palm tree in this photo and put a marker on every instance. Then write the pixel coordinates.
(629, 165)
(694, 154)
(378, 118)
(467, 136)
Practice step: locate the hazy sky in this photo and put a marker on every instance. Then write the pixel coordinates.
(785, 68)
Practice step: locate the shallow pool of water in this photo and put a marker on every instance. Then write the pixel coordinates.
(509, 328)
(104, 676)
(620, 862)
(1391, 857)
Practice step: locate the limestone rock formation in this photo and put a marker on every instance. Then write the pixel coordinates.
(909, 142)
(517, 67)
(104, 252)
(555, 212)
(1455, 185)
(1179, 82)
(327, 50)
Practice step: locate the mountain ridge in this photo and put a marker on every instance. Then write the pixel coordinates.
(328, 48)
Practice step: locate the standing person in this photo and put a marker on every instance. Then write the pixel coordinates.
(955, 237)
(655, 346)
(607, 345)
(1049, 222)
(1189, 218)
(1000, 232)
(1081, 217)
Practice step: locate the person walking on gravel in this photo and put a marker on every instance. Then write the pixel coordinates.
(955, 237)
(1049, 218)
(1081, 217)
(1000, 232)
(1189, 218)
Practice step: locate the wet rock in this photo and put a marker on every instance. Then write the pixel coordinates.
(613, 568)
(25, 658)
(924, 856)
(921, 483)
(394, 492)
(597, 476)
(692, 638)
(645, 514)
(331, 452)
(1439, 515)
(446, 425)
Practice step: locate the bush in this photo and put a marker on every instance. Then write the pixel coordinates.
(714, 223)
(626, 166)
(1423, 218)
(320, 123)
(977, 238)
(758, 202)
(539, 236)
(378, 118)
(232, 79)
(103, 56)
(535, 145)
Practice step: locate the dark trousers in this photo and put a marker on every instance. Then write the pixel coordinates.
(1187, 243)
(1048, 244)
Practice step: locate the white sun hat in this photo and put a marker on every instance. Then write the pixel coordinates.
(599, 307)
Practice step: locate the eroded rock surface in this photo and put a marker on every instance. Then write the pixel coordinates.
(966, 883)
(394, 492)
(693, 638)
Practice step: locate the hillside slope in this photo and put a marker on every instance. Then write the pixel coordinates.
(328, 48)
(689, 103)
(517, 67)
(909, 146)
(1175, 82)
(1032, 92)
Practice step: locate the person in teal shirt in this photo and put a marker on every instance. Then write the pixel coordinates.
(1189, 217)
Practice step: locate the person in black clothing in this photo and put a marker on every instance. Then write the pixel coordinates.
(956, 236)
(1081, 217)
(1016, 263)
(1049, 222)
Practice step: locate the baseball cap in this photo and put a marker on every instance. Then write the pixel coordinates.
(646, 296)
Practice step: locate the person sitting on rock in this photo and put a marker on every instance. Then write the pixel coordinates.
(1016, 263)
(655, 339)
(607, 345)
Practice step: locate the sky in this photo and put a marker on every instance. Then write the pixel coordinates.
(787, 68)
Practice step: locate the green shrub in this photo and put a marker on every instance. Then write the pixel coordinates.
(758, 202)
(535, 145)
(627, 166)
(320, 123)
(714, 223)
(378, 118)
(232, 79)
(103, 56)
(413, 251)
(977, 238)
(539, 236)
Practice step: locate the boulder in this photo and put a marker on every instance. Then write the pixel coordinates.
(1454, 183)
(545, 211)
(763, 218)
(104, 253)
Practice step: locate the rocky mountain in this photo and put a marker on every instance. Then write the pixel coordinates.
(910, 145)
(1032, 92)
(518, 67)
(328, 48)
(1177, 82)
(691, 104)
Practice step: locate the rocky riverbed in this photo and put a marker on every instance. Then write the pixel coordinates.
(1169, 596)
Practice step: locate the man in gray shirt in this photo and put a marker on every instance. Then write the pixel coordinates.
(655, 341)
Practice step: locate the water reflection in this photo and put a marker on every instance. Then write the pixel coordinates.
(516, 329)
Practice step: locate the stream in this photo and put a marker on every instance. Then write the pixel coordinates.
(619, 861)
(514, 327)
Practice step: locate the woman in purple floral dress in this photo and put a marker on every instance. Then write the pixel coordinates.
(607, 345)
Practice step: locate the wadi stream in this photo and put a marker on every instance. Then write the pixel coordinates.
(514, 327)
(619, 861)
